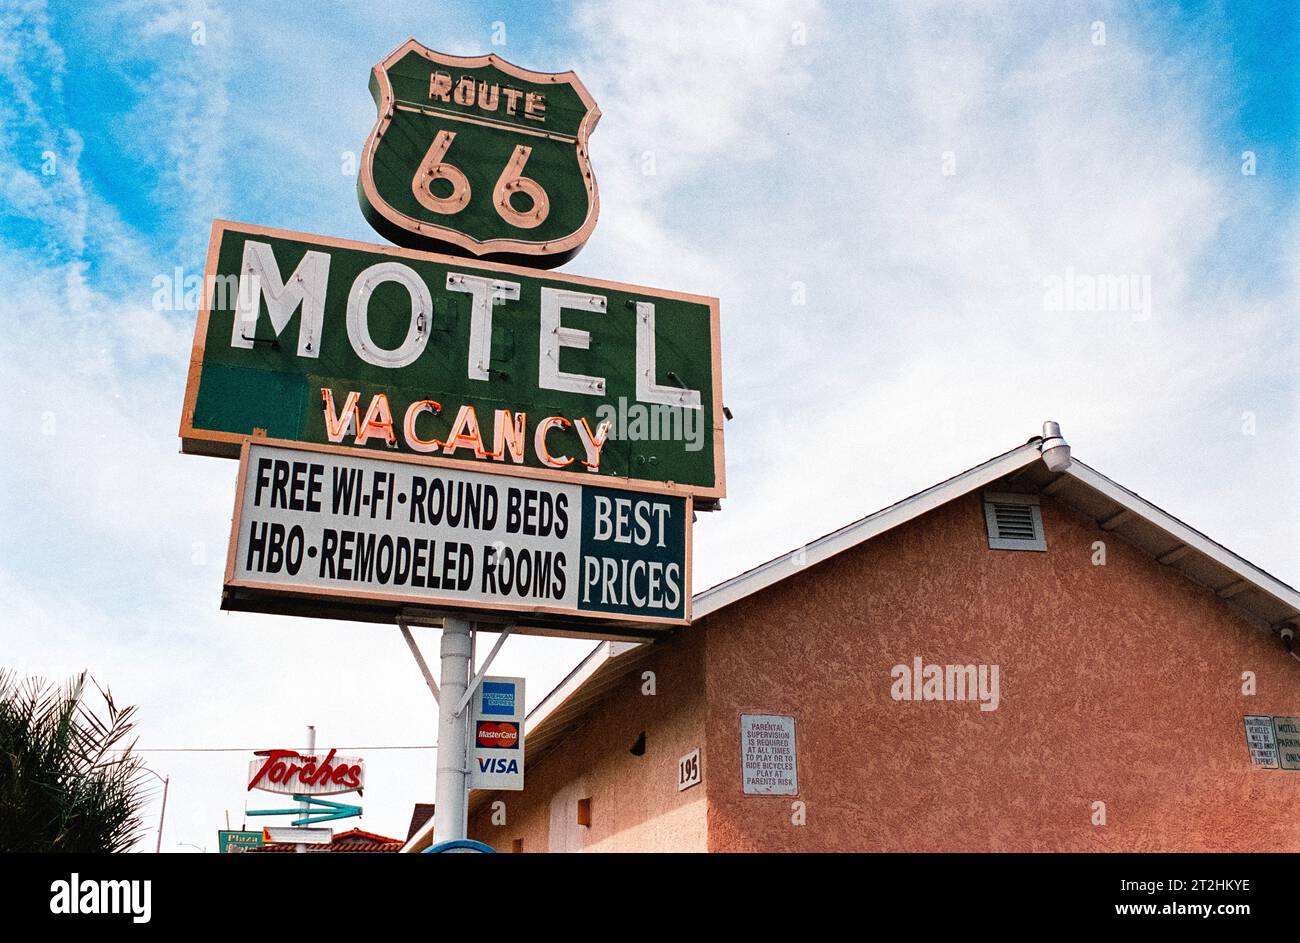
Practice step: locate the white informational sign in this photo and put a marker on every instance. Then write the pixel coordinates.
(1261, 741)
(768, 763)
(1287, 731)
(290, 835)
(496, 735)
(688, 771)
(342, 529)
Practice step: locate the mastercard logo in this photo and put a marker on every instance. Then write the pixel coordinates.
(498, 734)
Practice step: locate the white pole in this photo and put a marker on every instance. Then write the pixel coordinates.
(451, 789)
(469, 734)
(163, 814)
(311, 748)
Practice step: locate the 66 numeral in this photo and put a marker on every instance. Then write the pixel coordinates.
(435, 167)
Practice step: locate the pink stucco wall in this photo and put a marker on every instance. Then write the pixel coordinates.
(1119, 684)
(635, 804)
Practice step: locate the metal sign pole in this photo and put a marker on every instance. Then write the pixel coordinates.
(469, 734)
(311, 750)
(451, 791)
(163, 815)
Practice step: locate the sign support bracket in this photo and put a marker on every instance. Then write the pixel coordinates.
(451, 804)
(419, 659)
(474, 683)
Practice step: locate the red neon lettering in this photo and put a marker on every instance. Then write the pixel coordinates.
(322, 773)
(312, 772)
(272, 764)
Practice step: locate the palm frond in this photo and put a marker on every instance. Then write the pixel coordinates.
(69, 781)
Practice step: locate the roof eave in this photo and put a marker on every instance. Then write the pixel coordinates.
(775, 570)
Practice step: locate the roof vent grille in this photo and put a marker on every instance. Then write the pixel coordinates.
(1014, 522)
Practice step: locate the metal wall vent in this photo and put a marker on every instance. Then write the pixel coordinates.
(1014, 522)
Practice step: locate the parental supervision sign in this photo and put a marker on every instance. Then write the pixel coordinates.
(768, 755)
(337, 530)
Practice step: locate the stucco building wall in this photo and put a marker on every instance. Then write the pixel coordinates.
(1119, 684)
(635, 804)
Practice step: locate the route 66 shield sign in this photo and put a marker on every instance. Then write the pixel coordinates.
(476, 156)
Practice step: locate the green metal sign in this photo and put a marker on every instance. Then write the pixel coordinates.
(479, 157)
(324, 341)
(234, 842)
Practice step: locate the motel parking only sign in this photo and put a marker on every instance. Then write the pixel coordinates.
(329, 532)
(324, 341)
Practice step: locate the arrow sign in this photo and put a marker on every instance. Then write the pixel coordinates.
(328, 811)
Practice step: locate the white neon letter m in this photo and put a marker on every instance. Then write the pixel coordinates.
(259, 278)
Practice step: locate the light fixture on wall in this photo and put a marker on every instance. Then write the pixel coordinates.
(1287, 631)
(1056, 451)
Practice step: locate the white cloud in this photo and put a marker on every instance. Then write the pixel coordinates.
(710, 85)
(925, 346)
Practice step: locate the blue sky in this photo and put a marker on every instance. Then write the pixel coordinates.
(798, 149)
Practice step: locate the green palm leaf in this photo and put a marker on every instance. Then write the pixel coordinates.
(69, 780)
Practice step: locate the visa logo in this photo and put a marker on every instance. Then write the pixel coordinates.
(492, 764)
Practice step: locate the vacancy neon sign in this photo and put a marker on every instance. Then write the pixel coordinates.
(315, 340)
(292, 773)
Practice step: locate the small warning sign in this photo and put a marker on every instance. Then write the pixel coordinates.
(1260, 741)
(768, 761)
